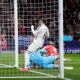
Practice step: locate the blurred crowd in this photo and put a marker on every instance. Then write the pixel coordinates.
(30, 10)
(72, 17)
(28, 13)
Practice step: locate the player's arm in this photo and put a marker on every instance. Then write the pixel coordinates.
(35, 32)
(45, 33)
(55, 51)
(32, 30)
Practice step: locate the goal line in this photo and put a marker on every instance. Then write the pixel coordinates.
(44, 75)
(6, 66)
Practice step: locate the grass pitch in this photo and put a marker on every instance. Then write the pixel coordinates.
(11, 72)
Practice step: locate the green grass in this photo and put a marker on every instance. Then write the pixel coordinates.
(75, 62)
(72, 74)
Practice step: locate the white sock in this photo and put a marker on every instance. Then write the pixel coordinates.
(26, 59)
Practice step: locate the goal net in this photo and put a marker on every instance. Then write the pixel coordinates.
(16, 18)
(7, 56)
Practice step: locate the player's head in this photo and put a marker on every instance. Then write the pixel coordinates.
(50, 43)
(41, 21)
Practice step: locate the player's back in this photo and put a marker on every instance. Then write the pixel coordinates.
(43, 32)
(51, 50)
(35, 57)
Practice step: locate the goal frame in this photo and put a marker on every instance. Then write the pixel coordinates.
(61, 46)
(61, 43)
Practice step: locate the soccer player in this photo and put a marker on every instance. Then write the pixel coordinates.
(52, 50)
(43, 61)
(40, 34)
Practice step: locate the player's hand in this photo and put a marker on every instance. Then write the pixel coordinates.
(32, 27)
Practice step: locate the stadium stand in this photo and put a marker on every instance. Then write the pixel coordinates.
(28, 15)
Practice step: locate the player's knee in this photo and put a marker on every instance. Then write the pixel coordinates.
(27, 51)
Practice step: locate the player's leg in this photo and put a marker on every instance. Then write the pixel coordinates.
(32, 48)
(50, 66)
(26, 58)
(34, 59)
(49, 59)
(46, 62)
(26, 62)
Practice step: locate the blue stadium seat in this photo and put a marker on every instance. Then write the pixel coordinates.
(24, 42)
(72, 44)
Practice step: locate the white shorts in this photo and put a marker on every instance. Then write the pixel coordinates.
(35, 45)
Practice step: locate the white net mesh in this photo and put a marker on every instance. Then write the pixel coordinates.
(6, 33)
(28, 13)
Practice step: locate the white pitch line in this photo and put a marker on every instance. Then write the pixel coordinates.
(69, 68)
(26, 77)
(29, 77)
(6, 66)
(48, 75)
(44, 74)
(67, 79)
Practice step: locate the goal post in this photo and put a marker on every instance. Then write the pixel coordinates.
(7, 51)
(61, 44)
(12, 54)
(16, 33)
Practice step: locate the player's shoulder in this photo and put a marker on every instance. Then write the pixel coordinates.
(45, 27)
(50, 46)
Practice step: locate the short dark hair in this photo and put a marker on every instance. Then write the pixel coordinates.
(50, 43)
(42, 19)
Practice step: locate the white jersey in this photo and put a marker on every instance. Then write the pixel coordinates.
(41, 33)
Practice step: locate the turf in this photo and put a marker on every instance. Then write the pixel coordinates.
(72, 74)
